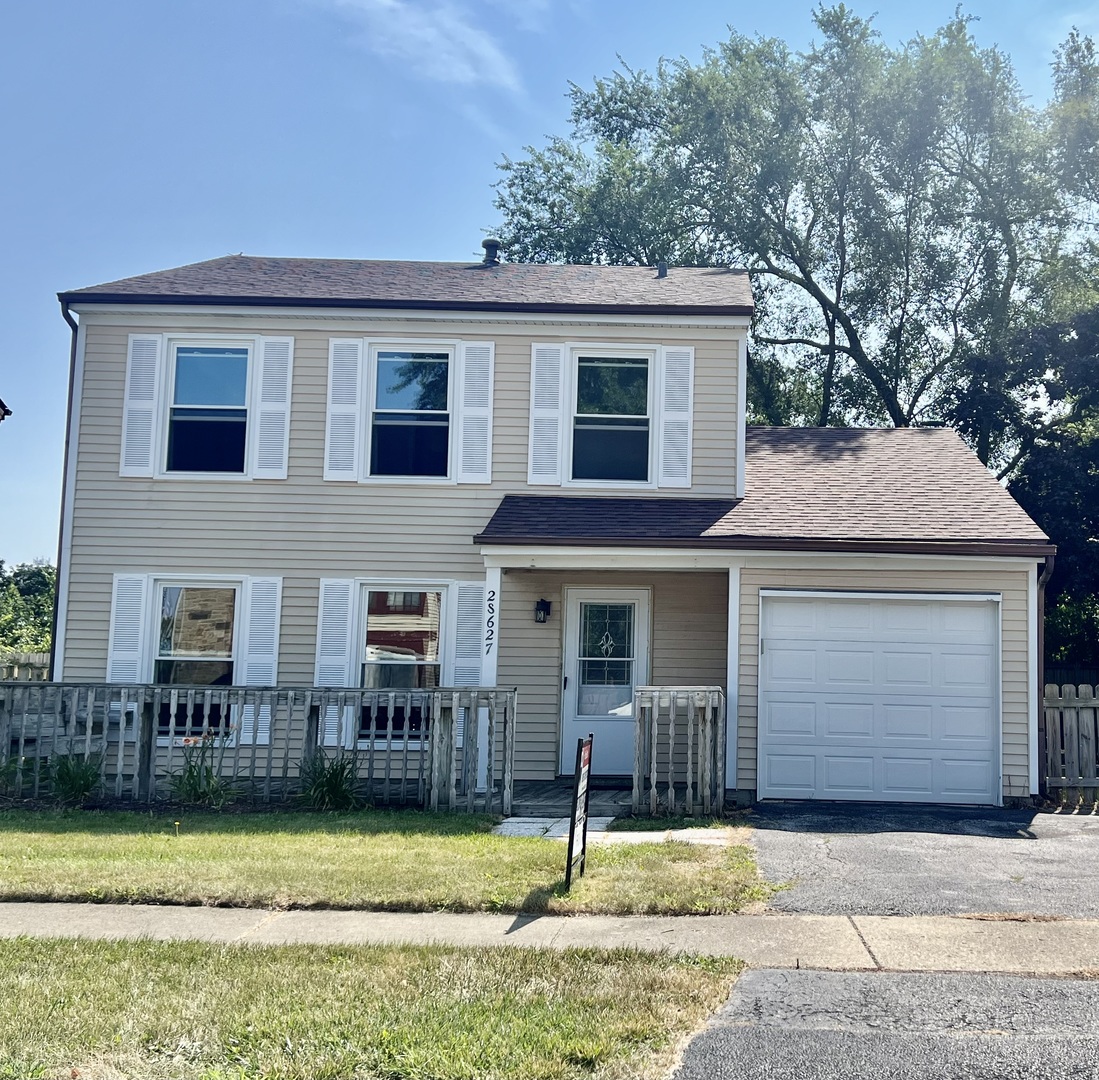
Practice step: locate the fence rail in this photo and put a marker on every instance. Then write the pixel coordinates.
(449, 748)
(1072, 740)
(679, 751)
(24, 667)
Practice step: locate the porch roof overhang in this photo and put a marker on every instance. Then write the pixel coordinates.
(706, 526)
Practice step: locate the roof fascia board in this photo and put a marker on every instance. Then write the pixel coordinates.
(669, 558)
(266, 303)
(135, 315)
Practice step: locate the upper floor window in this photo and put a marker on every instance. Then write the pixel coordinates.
(610, 439)
(410, 422)
(208, 417)
(409, 411)
(199, 406)
(611, 415)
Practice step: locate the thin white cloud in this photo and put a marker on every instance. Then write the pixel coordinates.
(437, 40)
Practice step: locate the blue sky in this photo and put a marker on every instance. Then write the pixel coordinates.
(140, 134)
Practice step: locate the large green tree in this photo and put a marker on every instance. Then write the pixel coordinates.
(26, 607)
(904, 212)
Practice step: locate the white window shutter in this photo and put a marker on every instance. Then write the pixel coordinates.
(126, 642)
(475, 384)
(334, 646)
(469, 636)
(343, 430)
(139, 413)
(260, 650)
(547, 413)
(676, 407)
(270, 423)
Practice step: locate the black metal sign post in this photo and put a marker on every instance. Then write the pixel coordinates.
(578, 823)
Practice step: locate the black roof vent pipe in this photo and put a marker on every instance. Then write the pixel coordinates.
(662, 269)
(492, 251)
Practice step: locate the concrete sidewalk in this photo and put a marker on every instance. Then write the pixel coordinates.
(828, 942)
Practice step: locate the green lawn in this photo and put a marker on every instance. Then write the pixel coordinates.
(97, 1010)
(397, 861)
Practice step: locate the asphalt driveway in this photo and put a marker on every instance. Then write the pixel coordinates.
(817, 1025)
(865, 859)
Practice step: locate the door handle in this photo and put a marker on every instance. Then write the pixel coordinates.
(566, 686)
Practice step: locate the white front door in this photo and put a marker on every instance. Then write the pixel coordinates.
(606, 656)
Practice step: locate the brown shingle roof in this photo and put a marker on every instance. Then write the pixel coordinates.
(914, 489)
(236, 279)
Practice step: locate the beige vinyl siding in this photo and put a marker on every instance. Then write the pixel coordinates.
(1011, 584)
(688, 648)
(304, 528)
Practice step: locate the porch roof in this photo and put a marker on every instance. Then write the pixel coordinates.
(918, 490)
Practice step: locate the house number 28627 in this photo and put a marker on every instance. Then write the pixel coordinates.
(490, 621)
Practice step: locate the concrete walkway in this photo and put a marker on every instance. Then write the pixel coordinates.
(828, 942)
(549, 828)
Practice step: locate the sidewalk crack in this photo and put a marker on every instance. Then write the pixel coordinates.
(865, 943)
(270, 917)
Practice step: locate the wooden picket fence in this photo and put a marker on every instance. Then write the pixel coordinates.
(679, 750)
(1072, 742)
(24, 667)
(418, 747)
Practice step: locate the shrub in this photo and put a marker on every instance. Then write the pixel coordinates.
(329, 783)
(200, 781)
(74, 778)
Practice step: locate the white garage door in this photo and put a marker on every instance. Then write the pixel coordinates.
(879, 698)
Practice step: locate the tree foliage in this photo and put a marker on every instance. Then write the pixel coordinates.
(904, 212)
(26, 606)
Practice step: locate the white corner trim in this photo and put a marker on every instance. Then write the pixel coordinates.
(732, 680)
(490, 657)
(741, 411)
(64, 567)
(1034, 691)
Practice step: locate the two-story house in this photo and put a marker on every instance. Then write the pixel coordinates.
(349, 473)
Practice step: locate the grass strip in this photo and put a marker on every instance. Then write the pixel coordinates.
(103, 1010)
(373, 860)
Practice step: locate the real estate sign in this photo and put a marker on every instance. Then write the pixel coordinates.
(578, 824)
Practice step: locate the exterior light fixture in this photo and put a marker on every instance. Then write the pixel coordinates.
(542, 611)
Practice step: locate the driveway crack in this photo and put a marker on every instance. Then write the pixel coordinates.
(865, 943)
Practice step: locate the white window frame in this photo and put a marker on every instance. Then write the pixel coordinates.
(447, 628)
(152, 645)
(172, 342)
(372, 348)
(649, 353)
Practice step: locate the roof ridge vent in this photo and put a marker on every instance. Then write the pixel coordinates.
(662, 269)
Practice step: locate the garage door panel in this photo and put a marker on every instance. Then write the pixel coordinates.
(911, 670)
(785, 665)
(790, 718)
(794, 775)
(847, 775)
(848, 616)
(969, 670)
(912, 775)
(908, 722)
(848, 719)
(907, 616)
(968, 722)
(966, 777)
(885, 699)
(846, 667)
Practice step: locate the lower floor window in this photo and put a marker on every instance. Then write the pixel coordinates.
(401, 653)
(195, 648)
